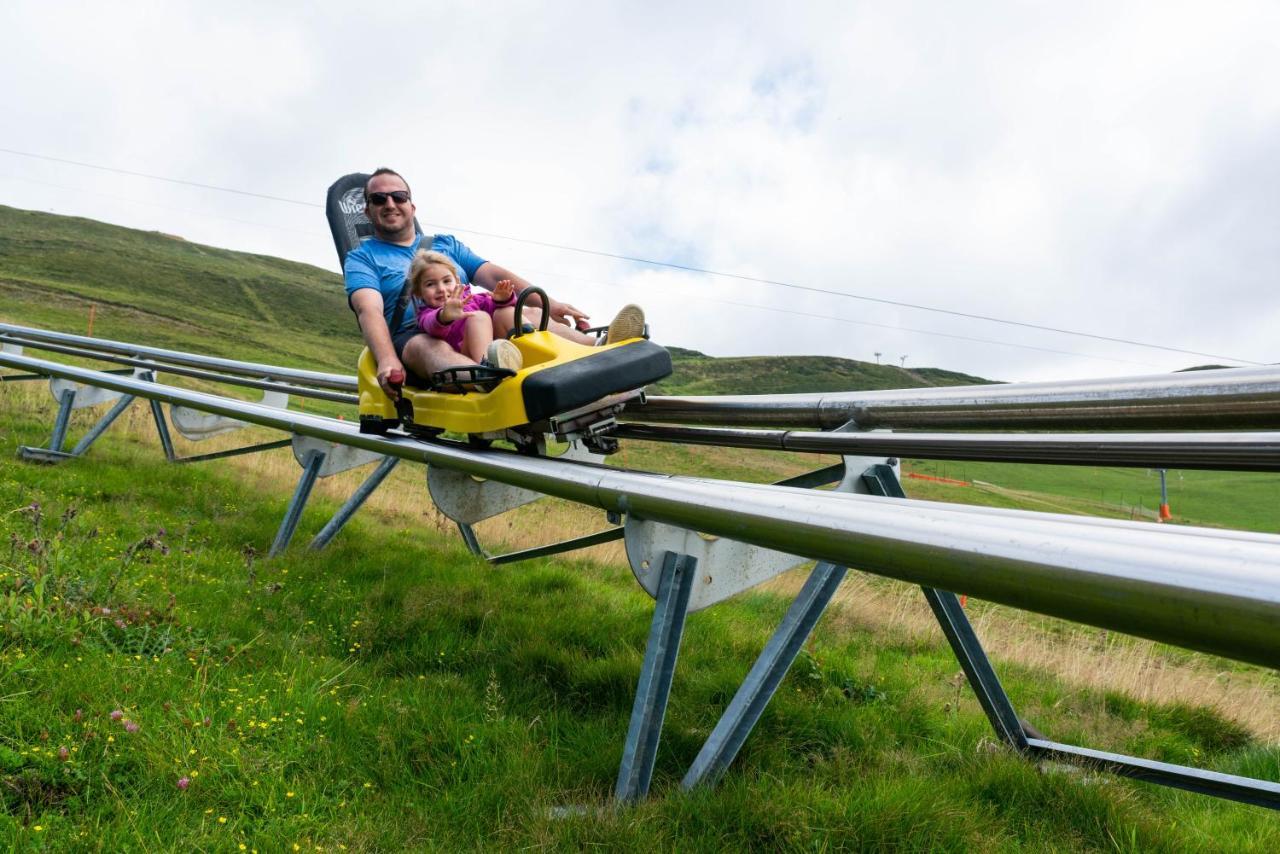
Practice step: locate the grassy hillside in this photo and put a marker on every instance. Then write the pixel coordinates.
(166, 292)
(698, 373)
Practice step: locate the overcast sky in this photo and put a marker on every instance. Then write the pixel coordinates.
(1108, 168)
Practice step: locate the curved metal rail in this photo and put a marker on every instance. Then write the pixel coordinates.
(1203, 589)
(1217, 451)
(182, 371)
(1230, 398)
(41, 337)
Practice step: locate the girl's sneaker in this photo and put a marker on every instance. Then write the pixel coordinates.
(503, 354)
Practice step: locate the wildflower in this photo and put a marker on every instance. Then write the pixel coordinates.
(78, 716)
(288, 794)
(130, 726)
(222, 819)
(116, 714)
(39, 827)
(183, 782)
(64, 754)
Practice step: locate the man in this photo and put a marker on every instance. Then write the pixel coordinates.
(375, 273)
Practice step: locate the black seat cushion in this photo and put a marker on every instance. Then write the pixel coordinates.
(561, 388)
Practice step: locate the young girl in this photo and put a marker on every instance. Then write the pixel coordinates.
(463, 317)
(452, 310)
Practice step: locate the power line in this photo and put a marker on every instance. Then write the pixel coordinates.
(811, 289)
(668, 264)
(776, 310)
(161, 178)
(309, 232)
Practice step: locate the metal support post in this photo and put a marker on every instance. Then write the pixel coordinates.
(977, 667)
(881, 480)
(59, 437)
(1021, 737)
(654, 688)
(162, 429)
(1246, 790)
(54, 452)
(166, 440)
(766, 675)
(358, 498)
(98, 429)
(473, 542)
(235, 452)
(608, 535)
(310, 470)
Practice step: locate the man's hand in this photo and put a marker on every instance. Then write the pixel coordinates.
(561, 311)
(391, 377)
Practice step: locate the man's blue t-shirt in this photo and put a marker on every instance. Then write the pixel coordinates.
(382, 266)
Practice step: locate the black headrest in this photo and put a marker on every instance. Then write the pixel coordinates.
(344, 206)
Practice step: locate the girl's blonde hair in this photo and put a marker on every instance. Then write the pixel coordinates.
(424, 259)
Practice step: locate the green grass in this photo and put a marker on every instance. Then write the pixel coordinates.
(696, 373)
(1243, 500)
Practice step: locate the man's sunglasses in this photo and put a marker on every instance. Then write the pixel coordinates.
(377, 200)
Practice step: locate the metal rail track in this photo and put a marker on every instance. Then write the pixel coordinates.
(1203, 589)
(1244, 451)
(33, 337)
(1226, 399)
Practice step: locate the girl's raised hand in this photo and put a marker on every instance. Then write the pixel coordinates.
(452, 309)
(503, 290)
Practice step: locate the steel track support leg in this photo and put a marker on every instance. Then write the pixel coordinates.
(54, 452)
(59, 437)
(310, 470)
(162, 430)
(880, 480)
(473, 542)
(766, 674)
(98, 429)
(654, 688)
(358, 498)
(977, 667)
